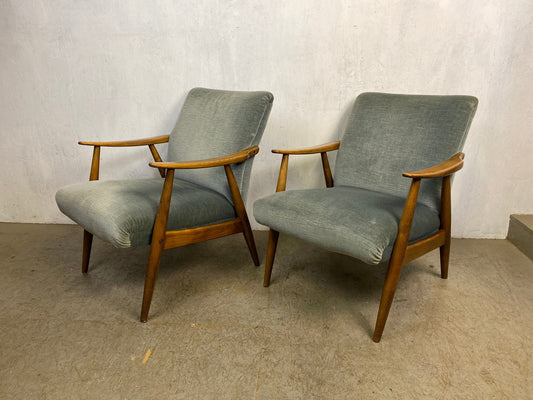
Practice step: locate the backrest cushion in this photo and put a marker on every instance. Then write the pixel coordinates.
(214, 123)
(389, 134)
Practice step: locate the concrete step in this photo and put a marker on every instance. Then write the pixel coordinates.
(521, 233)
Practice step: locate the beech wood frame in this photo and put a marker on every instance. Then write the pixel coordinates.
(403, 251)
(162, 239)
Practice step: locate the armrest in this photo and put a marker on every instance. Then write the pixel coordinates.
(322, 149)
(234, 158)
(150, 142)
(311, 150)
(127, 143)
(448, 167)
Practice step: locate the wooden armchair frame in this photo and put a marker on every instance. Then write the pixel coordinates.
(163, 239)
(403, 251)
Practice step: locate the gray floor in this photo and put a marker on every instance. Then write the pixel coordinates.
(215, 332)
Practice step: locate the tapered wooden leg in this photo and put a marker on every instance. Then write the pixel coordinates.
(271, 253)
(87, 236)
(240, 209)
(157, 245)
(396, 260)
(249, 236)
(154, 261)
(391, 281)
(87, 243)
(444, 259)
(446, 224)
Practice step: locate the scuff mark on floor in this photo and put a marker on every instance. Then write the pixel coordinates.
(147, 356)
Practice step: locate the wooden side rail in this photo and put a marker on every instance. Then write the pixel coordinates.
(442, 238)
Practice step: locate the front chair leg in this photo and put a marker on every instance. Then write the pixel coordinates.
(156, 249)
(391, 281)
(87, 243)
(396, 260)
(158, 244)
(271, 253)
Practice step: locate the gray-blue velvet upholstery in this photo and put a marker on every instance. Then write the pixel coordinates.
(212, 123)
(386, 135)
(123, 212)
(217, 122)
(339, 217)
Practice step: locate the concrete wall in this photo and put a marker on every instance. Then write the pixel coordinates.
(72, 70)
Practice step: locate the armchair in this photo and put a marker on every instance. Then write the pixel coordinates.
(368, 209)
(203, 190)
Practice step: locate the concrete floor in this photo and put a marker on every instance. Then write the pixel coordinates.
(215, 333)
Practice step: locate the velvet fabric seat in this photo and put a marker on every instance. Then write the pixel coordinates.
(356, 222)
(123, 212)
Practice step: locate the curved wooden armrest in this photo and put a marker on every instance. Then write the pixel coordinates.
(234, 158)
(127, 143)
(322, 149)
(311, 150)
(448, 167)
(150, 142)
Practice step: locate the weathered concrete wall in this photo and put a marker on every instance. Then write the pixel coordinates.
(72, 70)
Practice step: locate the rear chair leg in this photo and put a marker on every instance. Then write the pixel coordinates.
(446, 224)
(87, 243)
(249, 237)
(240, 210)
(444, 259)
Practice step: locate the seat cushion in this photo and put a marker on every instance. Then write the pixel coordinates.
(123, 212)
(352, 221)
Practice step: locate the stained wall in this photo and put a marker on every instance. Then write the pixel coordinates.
(73, 70)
